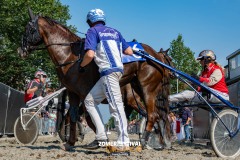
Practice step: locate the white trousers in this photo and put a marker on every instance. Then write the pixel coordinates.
(108, 87)
(192, 96)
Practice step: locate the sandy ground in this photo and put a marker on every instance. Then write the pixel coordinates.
(49, 147)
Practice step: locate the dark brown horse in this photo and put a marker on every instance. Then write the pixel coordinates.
(132, 101)
(146, 78)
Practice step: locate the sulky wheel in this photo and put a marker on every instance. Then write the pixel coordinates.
(28, 135)
(223, 145)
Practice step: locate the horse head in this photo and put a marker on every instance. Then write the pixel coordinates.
(31, 38)
(64, 47)
(167, 60)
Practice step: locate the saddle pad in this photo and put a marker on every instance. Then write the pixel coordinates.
(134, 57)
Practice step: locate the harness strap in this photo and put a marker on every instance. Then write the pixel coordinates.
(142, 112)
(61, 44)
(67, 63)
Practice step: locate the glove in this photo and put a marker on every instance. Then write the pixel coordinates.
(202, 79)
(81, 69)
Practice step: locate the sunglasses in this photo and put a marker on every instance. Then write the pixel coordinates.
(44, 76)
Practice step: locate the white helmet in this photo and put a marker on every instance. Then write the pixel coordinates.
(207, 55)
(96, 15)
(40, 73)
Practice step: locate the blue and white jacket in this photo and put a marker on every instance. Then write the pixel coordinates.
(108, 45)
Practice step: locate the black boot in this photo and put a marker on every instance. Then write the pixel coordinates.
(94, 144)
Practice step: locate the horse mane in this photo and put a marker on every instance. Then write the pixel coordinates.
(148, 47)
(54, 22)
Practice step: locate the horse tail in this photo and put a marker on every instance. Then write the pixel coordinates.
(162, 105)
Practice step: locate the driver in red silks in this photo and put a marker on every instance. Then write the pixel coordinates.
(212, 76)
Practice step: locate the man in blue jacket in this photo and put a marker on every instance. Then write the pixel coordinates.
(105, 45)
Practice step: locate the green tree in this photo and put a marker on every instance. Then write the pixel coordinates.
(183, 59)
(14, 17)
(111, 123)
(133, 115)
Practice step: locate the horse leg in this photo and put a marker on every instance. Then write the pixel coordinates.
(88, 118)
(151, 119)
(61, 110)
(74, 101)
(163, 128)
(149, 102)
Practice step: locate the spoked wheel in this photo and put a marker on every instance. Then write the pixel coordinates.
(28, 135)
(223, 145)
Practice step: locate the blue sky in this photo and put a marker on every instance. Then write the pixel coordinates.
(204, 24)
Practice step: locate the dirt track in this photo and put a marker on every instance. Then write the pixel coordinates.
(49, 147)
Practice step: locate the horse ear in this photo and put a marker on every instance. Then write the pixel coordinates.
(167, 50)
(161, 50)
(31, 15)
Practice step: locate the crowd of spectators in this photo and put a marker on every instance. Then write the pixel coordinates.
(181, 125)
(47, 122)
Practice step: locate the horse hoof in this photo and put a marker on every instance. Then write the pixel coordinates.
(143, 144)
(66, 147)
(159, 148)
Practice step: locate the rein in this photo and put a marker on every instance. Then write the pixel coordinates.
(33, 36)
(142, 112)
(61, 44)
(45, 47)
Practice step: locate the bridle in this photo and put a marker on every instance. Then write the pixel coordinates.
(169, 62)
(32, 38)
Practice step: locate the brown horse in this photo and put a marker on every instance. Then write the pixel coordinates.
(131, 99)
(146, 78)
